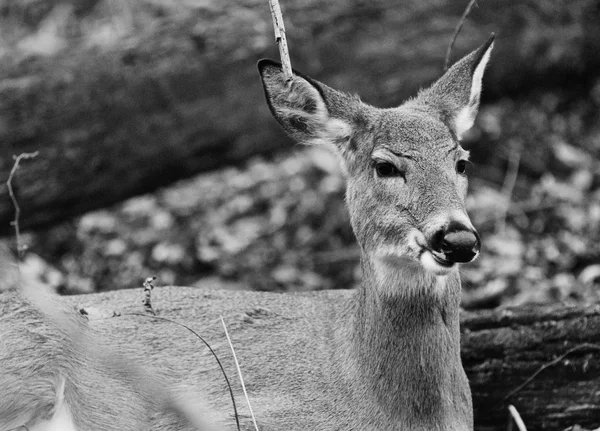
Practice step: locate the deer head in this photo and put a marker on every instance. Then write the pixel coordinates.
(405, 168)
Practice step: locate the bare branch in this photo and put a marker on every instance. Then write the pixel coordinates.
(237, 364)
(20, 247)
(280, 39)
(147, 301)
(583, 346)
(456, 31)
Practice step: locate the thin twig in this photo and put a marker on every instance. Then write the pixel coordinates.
(516, 417)
(20, 248)
(550, 364)
(508, 187)
(281, 39)
(147, 301)
(237, 420)
(239, 373)
(456, 31)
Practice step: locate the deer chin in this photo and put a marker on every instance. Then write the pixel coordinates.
(435, 264)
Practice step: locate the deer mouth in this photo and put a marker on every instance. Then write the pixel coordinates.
(431, 260)
(442, 261)
(435, 263)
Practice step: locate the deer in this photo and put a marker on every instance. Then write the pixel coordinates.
(383, 356)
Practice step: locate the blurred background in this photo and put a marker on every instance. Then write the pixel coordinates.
(158, 156)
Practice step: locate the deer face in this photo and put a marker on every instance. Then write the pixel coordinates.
(406, 180)
(407, 195)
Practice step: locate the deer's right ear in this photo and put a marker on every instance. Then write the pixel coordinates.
(300, 107)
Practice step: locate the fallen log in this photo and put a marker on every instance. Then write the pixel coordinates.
(122, 104)
(542, 360)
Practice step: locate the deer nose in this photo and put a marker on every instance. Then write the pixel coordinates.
(457, 243)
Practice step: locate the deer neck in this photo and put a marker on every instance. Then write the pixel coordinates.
(405, 344)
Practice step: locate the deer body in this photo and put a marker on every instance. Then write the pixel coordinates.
(383, 357)
(299, 374)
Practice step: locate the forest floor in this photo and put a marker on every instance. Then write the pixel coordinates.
(281, 224)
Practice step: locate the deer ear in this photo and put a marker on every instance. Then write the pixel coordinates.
(456, 94)
(300, 106)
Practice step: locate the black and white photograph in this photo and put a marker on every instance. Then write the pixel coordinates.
(299, 215)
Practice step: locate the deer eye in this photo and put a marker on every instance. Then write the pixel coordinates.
(461, 166)
(387, 170)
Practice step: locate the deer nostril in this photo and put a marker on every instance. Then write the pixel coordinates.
(461, 245)
(457, 245)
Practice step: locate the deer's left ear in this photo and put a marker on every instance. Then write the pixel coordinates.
(455, 96)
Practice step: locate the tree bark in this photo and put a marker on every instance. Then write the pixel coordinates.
(502, 349)
(170, 90)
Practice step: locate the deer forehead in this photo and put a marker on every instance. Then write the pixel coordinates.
(412, 133)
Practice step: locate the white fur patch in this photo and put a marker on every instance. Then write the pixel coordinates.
(466, 116)
(408, 270)
(61, 420)
(331, 131)
(334, 132)
(407, 278)
(408, 250)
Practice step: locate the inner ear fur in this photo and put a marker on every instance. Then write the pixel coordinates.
(455, 96)
(300, 105)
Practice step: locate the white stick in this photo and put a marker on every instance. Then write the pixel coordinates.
(517, 418)
(239, 373)
(280, 39)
